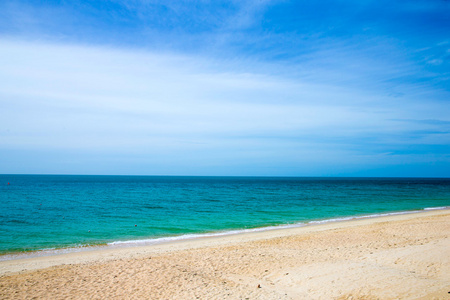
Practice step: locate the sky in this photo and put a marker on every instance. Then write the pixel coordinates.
(225, 88)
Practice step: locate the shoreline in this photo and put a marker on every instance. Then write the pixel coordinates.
(192, 237)
(105, 252)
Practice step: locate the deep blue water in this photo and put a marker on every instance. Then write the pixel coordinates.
(52, 211)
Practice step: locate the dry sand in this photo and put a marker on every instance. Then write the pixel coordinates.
(395, 257)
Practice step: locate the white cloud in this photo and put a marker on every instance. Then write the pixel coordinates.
(163, 108)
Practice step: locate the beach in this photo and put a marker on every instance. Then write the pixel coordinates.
(403, 256)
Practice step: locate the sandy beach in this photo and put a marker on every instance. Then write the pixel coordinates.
(395, 257)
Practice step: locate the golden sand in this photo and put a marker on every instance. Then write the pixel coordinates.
(395, 257)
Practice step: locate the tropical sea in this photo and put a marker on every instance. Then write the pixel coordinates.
(45, 214)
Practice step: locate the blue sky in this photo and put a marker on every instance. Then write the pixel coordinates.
(270, 88)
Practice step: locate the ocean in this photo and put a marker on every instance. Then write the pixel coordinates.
(45, 214)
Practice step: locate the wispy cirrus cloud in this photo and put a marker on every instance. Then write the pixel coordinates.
(172, 107)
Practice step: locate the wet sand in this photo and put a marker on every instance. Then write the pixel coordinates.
(394, 257)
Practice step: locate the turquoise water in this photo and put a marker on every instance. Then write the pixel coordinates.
(45, 211)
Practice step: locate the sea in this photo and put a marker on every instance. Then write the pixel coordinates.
(49, 214)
